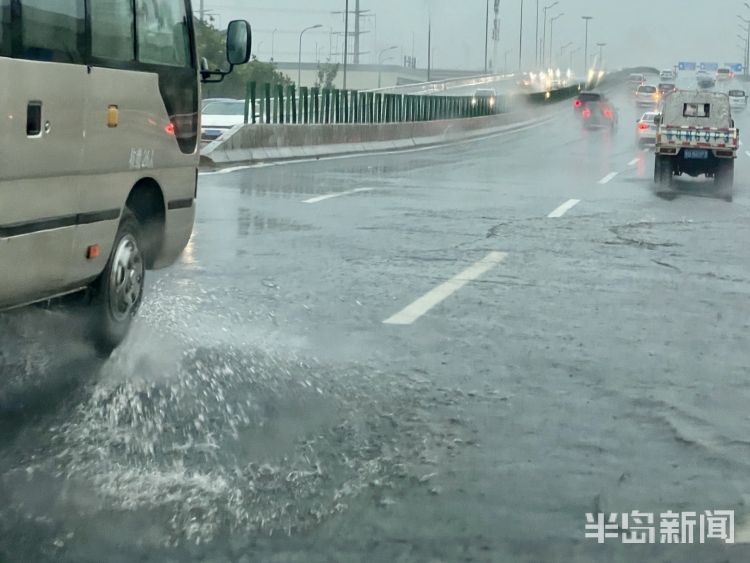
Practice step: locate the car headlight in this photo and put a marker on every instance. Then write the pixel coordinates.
(492, 102)
(473, 101)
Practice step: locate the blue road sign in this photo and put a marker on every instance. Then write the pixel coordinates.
(709, 66)
(686, 66)
(736, 67)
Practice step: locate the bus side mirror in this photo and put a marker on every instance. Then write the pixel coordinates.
(239, 42)
(239, 46)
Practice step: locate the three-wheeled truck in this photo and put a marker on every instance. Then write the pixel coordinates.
(696, 136)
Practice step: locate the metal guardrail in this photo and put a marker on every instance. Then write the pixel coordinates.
(276, 104)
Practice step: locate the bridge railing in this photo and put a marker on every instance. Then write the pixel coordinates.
(279, 104)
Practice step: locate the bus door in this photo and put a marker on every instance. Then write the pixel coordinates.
(41, 140)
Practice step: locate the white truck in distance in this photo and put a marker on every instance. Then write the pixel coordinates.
(696, 135)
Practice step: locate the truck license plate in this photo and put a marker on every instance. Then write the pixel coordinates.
(697, 154)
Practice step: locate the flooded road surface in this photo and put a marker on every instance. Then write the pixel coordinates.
(262, 410)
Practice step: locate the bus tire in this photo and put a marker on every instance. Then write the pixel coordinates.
(118, 292)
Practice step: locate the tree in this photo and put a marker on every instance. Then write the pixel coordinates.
(327, 74)
(212, 46)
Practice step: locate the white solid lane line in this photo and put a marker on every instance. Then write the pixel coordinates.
(428, 301)
(634, 162)
(564, 208)
(608, 178)
(320, 198)
(747, 153)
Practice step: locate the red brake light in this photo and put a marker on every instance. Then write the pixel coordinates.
(170, 129)
(586, 113)
(578, 103)
(608, 113)
(643, 126)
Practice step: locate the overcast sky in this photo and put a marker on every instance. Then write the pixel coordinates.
(653, 32)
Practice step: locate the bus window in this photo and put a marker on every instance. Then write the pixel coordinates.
(163, 37)
(112, 34)
(53, 31)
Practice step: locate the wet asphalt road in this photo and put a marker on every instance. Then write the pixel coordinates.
(263, 410)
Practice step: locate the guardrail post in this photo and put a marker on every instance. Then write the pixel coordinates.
(370, 108)
(315, 101)
(279, 104)
(292, 94)
(304, 116)
(327, 105)
(250, 102)
(355, 106)
(267, 101)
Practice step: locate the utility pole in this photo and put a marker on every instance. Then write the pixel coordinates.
(357, 31)
(346, 39)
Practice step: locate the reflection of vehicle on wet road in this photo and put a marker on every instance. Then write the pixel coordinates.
(645, 128)
(103, 180)
(705, 79)
(696, 136)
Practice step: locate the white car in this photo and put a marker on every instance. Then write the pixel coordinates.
(646, 95)
(645, 132)
(737, 99)
(220, 116)
(667, 75)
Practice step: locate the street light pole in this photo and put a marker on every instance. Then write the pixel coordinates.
(505, 68)
(520, 42)
(562, 49)
(551, 27)
(572, 55)
(381, 61)
(586, 47)
(346, 39)
(747, 40)
(486, 37)
(299, 68)
(536, 43)
(601, 53)
(544, 35)
(273, 43)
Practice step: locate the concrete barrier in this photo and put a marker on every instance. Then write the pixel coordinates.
(260, 143)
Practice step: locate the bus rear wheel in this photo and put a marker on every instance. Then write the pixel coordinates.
(118, 292)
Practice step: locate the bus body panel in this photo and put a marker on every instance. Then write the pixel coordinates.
(38, 177)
